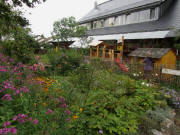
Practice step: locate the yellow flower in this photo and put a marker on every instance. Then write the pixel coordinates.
(75, 117)
(35, 105)
(57, 89)
(81, 109)
(93, 103)
(44, 104)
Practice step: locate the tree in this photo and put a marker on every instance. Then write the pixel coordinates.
(29, 3)
(67, 28)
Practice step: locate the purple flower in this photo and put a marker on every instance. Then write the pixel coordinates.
(101, 131)
(22, 116)
(18, 92)
(7, 130)
(1, 131)
(49, 111)
(68, 112)
(13, 130)
(30, 119)
(63, 106)
(15, 118)
(6, 97)
(35, 121)
(68, 119)
(21, 120)
(7, 123)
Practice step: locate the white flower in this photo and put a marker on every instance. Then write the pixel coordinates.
(134, 74)
(147, 85)
(142, 83)
(42, 47)
(156, 74)
(137, 74)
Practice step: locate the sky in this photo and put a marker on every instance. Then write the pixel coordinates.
(44, 15)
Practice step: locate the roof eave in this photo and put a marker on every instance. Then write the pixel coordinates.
(122, 12)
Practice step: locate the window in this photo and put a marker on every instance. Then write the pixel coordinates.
(111, 21)
(116, 20)
(95, 25)
(144, 15)
(121, 20)
(101, 23)
(88, 26)
(153, 14)
(91, 25)
(106, 22)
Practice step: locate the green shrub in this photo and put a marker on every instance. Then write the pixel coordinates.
(64, 61)
(113, 105)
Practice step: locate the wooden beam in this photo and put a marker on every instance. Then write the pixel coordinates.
(104, 51)
(121, 53)
(97, 51)
(112, 57)
(56, 48)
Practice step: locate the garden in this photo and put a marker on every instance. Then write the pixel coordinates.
(64, 92)
(74, 96)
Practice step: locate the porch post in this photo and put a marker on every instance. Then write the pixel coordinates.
(56, 48)
(112, 58)
(97, 51)
(121, 54)
(104, 51)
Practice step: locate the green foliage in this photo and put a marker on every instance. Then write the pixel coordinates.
(29, 3)
(10, 19)
(64, 61)
(67, 28)
(177, 39)
(20, 45)
(111, 103)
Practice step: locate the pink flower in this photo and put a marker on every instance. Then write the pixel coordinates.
(49, 111)
(7, 123)
(7, 97)
(68, 119)
(68, 112)
(18, 92)
(22, 116)
(15, 118)
(30, 119)
(13, 130)
(35, 121)
(21, 120)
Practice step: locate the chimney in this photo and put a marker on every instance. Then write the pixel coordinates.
(95, 5)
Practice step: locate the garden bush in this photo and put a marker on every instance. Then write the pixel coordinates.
(64, 61)
(113, 104)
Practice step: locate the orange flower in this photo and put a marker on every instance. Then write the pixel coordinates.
(44, 104)
(75, 117)
(81, 109)
(45, 90)
(35, 105)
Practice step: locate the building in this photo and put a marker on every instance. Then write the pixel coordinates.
(143, 23)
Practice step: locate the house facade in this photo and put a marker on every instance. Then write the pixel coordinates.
(143, 23)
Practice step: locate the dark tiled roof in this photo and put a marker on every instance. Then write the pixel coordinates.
(154, 52)
(170, 19)
(115, 6)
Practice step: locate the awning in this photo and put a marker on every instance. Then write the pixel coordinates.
(95, 43)
(138, 35)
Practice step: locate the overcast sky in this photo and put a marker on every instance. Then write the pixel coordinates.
(43, 16)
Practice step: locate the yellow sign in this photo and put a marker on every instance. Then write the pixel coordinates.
(119, 48)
